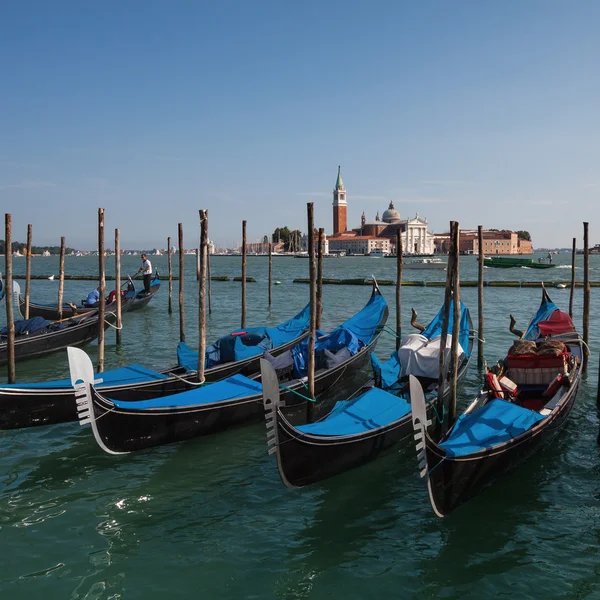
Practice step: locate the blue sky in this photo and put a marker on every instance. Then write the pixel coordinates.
(483, 112)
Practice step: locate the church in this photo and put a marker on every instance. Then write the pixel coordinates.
(378, 235)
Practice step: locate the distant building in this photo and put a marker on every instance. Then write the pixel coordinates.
(378, 234)
(494, 242)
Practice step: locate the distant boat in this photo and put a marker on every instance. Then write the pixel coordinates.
(426, 263)
(51, 278)
(507, 262)
(376, 253)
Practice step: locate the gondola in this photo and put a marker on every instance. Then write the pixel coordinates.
(141, 298)
(50, 311)
(32, 404)
(526, 401)
(121, 426)
(358, 430)
(37, 336)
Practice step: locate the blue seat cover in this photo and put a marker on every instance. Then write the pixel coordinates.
(120, 376)
(231, 388)
(371, 410)
(492, 424)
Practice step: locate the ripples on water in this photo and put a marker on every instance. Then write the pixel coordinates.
(209, 518)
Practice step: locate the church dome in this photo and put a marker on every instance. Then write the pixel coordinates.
(391, 215)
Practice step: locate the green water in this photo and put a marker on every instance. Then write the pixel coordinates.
(209, 518)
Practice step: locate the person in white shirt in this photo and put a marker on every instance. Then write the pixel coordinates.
(146, 269)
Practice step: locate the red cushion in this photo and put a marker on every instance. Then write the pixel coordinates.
(536, 361)
(559, 322)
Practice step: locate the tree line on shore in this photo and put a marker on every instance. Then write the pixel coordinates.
(22, 248)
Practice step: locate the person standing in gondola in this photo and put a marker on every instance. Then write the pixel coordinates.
(146, 270)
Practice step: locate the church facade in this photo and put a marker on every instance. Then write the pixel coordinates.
(379, 234)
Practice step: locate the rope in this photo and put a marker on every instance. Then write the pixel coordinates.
(387, 329)
(437, 416)
(187, 380)
(297, 393)
(435, 467)
(113, 326)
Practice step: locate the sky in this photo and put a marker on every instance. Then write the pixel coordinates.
(482, 112)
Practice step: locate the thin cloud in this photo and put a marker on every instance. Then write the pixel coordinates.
(28, 185)
(314, 194)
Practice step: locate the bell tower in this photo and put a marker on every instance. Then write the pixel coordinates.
(339, 205)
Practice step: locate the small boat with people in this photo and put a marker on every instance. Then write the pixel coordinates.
(378, 416)
(43, 403)
(427, 263)
(51, 312)
(142, 298)
(123, 426)
(525, 402)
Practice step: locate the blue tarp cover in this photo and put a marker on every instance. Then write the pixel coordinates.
(492, 424)
(231, 388)
(370, 410)
(358, 331)
(386, 373)
(121, 376)
(231, 348)
(434, 328)
(27, 326)
(543, 314)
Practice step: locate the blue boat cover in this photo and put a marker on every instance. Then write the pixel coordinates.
(253, 342)
(371, 410)
(358, 331)
(27, 326)
(386, 373)
(120, 376)
(488, 426)
(225, 390)
(546, 308)
(434, 328)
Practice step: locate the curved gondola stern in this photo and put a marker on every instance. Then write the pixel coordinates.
(420, 423)
(271, 403)
(82, 378)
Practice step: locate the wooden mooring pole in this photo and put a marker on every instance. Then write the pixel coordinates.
(208, 276)
(572, 290)
(102, 277)
(270, 271)
(181, 278)
(170, 267)
(310, 408)
(10, 318)
(243, 274)
(198, 264)
(319, 293)
(441, 392)
(28, 271)
(399, 266)
(119, 323)
(61, 278)
(480, 317)
(203, 253)
(455, 325)
(586, 296)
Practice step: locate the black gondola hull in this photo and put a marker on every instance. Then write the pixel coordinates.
(130, 430)
(141, 299)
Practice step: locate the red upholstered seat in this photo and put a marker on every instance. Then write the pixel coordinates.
(559, 322)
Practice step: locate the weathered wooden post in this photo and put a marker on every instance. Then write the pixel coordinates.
(480, 338)
(399, 266)
(102, 276)
(310, 408)
(203, 253)
(119, 323)
(586, 296)
(208, 278)
(455, 326)
(243, 274)
(61, 277)
(28, 272)
(181, 278)
(319, 297)
(270, 271)
(441, 393)
(198, 264)
(10, 319)
(170, 266)
(572, 290)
